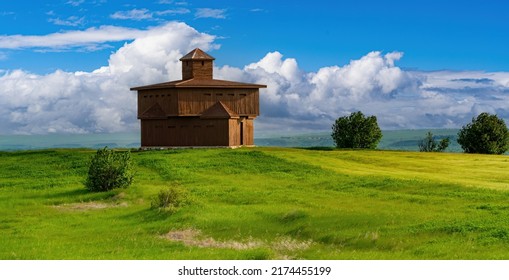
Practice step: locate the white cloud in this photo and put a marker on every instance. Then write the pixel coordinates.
(70, 21)
(134, 14)
(210, 13)
(70, 39)
(172, 12)
(302, 101)
(98, 101)
(144, 14)
(295, 100)
(75, 3)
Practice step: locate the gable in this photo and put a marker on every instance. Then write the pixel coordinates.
(218, 111)
(154, 112)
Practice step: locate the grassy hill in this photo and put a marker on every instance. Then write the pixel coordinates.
(261, 203)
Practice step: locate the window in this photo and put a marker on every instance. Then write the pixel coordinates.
(207, 94)
(202, 63)
(171, 126)
(242, 94)
(231, 94)
(209, 125)
(219, 94)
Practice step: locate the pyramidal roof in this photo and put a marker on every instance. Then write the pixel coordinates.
(197, 54)
(218, 111)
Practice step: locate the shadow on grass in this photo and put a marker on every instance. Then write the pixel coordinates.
(148, 214)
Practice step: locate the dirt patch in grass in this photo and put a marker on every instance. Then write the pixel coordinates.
(192, 237)
(83, 206)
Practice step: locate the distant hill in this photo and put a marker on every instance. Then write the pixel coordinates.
(407, 140)
(392, 140)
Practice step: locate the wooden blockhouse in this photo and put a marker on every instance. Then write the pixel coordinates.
(198, 110)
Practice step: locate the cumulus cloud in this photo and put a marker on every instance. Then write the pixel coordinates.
(98, 101)
(295, 100)
(301, 101)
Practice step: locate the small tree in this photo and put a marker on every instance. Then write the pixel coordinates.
(429, 144)
(486, 134)
(109, 170)
(356, 131)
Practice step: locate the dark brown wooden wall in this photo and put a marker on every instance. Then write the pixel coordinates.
(244, 102)
(192, 102)
(167, 98)
(193, 131)
(185, 131)
(197, 69)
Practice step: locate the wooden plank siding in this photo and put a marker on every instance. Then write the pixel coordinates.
(185, 131)
(201, 69)
(167, 99)
(192, 102)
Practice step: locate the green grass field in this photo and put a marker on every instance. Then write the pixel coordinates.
(260, 203)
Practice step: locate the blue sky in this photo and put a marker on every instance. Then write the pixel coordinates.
(434, 35)
(414, 64)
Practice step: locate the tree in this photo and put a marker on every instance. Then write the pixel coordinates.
(356, 131)
(429, 144)
(486, 134)
(109, 170)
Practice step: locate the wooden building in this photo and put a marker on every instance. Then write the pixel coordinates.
(198, 110)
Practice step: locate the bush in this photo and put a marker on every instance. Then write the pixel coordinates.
(109, 170)
(171, 199)
(356, 131)
(429, 144)
(486, 134)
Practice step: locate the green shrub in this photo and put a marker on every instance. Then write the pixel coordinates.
(171, 199)
(429, 144)
(356, 131)
(486, 134)
(109, 170)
